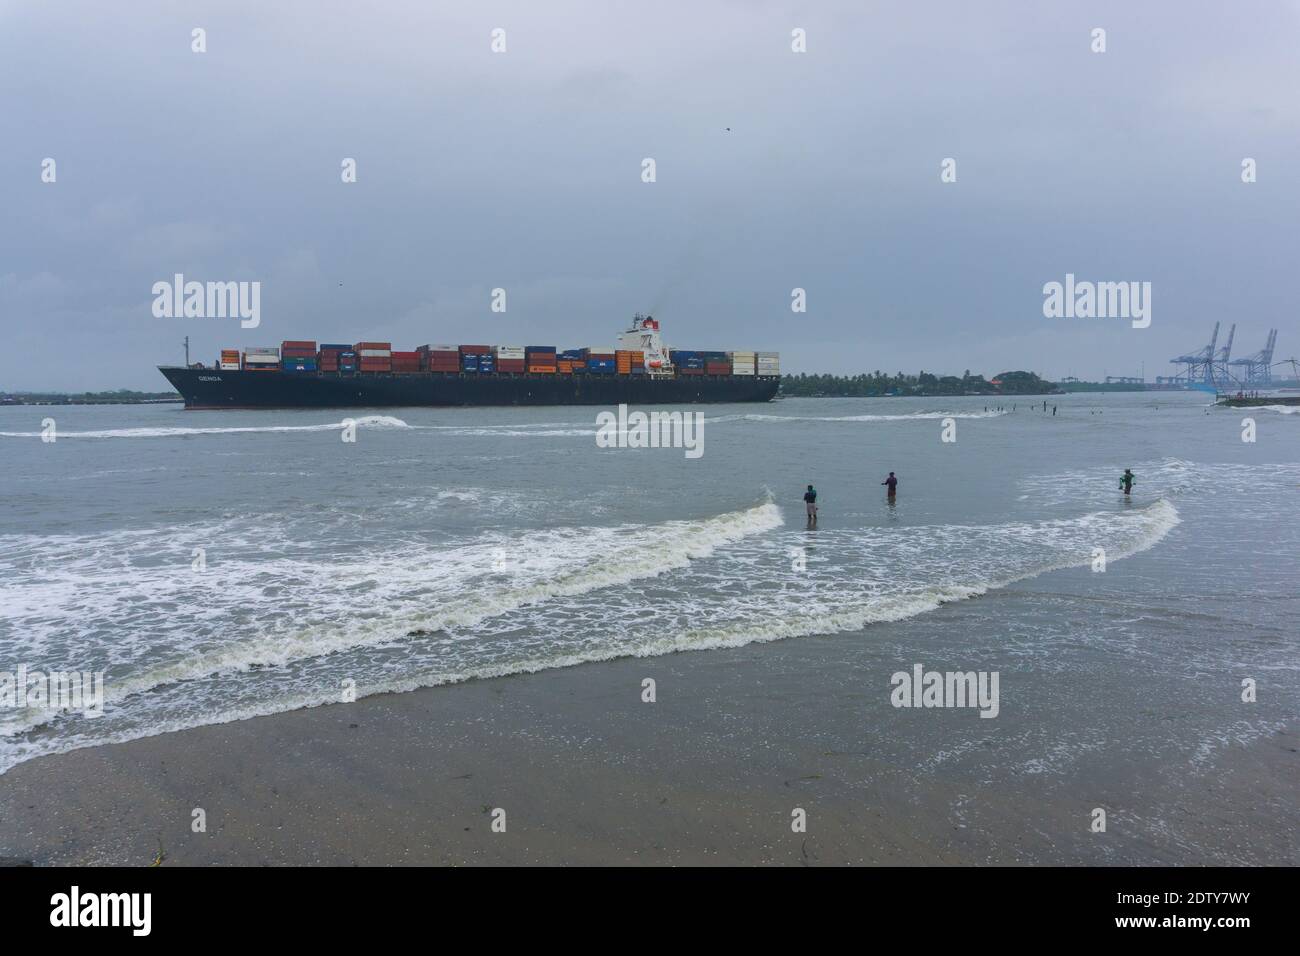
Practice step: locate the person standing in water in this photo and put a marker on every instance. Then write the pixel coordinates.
(892, 484)
(1126, 481)
(810, 499)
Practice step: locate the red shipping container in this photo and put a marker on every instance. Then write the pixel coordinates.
(476, 349)
(382, 346)
(510, 365)
(292, 344)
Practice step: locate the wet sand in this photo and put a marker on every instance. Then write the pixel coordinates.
(587, 773)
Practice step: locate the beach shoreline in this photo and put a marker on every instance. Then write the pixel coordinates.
(590, 774)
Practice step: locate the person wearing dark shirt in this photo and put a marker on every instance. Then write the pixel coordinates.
(810, 499)
(892, 483)
(1126, 481)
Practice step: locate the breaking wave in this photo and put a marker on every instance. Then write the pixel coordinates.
(365, 421)
(266, 634)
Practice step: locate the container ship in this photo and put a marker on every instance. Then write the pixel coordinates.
(640, 370)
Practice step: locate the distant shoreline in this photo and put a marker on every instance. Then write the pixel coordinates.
(94, 401)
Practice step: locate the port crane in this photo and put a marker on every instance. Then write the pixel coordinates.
(1257, 368)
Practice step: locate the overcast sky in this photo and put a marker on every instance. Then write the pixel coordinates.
(522, 170)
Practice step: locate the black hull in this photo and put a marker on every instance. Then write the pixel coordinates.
(209, 388)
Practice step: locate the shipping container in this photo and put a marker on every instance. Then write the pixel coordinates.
(510, 364)
(474, 349)
(382, 346)
(298, 344)
(542, 369)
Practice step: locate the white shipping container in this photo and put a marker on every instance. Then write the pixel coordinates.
(261, 360)
(510, 351)
(230, 366)
(770, 355)
(375, 353)
(743, 370)
(742, 356)
(261, 350)
(601, 349)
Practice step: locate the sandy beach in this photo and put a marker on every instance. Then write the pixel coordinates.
(587, 773)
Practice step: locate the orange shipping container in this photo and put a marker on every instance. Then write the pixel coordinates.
(545, 369)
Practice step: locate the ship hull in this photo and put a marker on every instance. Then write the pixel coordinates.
(210, 388)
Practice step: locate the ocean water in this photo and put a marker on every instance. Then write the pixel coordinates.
(447, 544)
